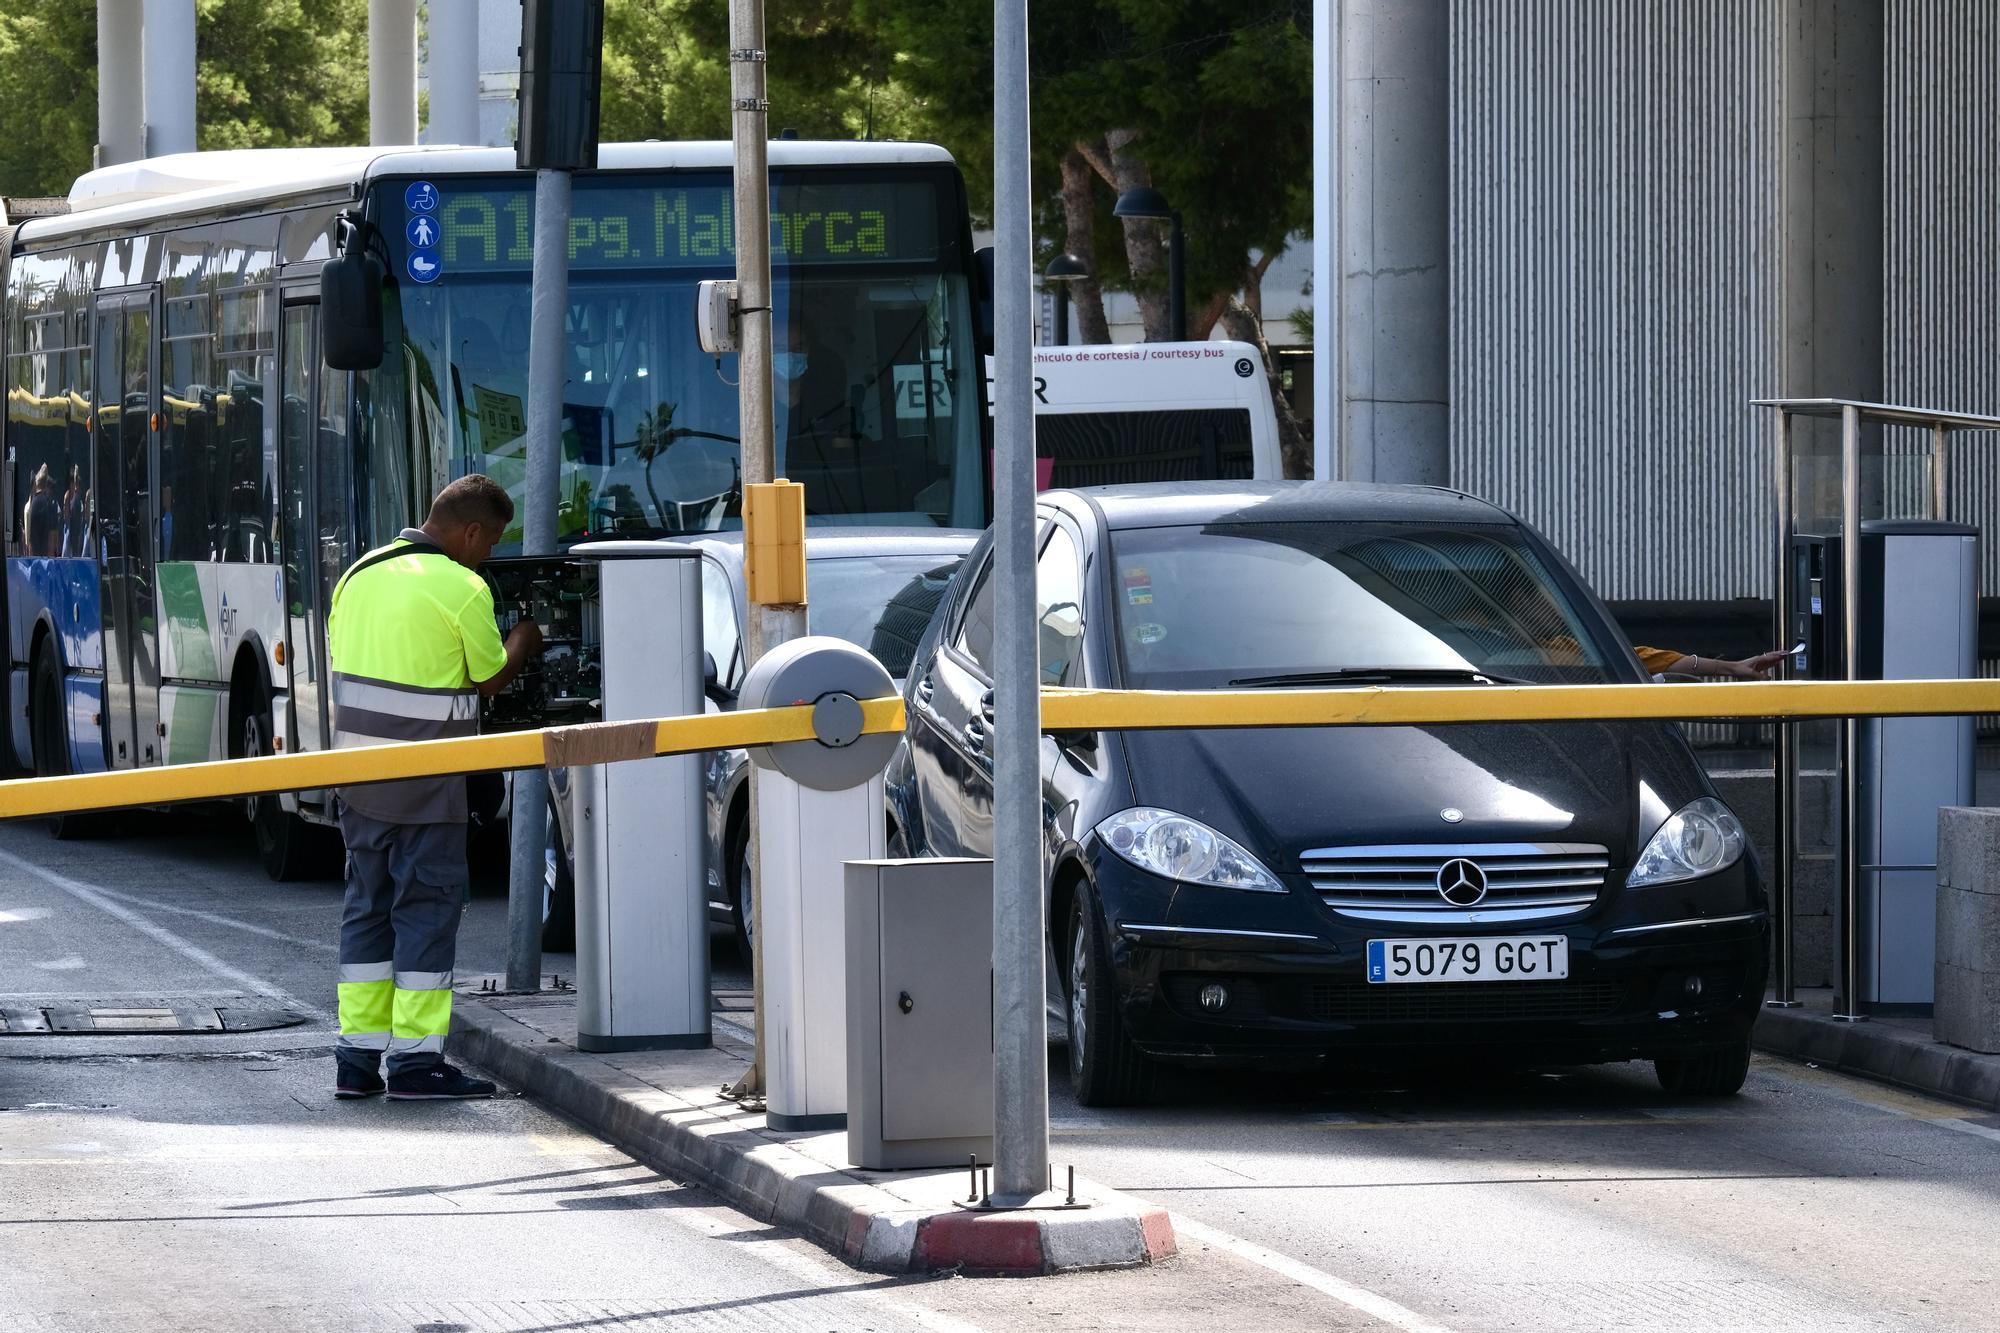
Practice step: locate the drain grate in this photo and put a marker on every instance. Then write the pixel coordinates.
(81, 1018)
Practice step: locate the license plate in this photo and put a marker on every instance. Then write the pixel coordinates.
(1536, 958)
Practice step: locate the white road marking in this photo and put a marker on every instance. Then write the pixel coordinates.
(1359, 1298)
(13, 916)
(187, 949)
(67, 963)
(218, 919)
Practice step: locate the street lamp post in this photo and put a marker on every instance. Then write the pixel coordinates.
(1063, 270)
(1143, 201)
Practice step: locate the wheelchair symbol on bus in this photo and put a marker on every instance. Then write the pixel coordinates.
(421, 197)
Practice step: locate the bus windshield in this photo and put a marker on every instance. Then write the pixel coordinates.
(876, 411)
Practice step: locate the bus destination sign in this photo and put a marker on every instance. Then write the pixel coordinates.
(484, 227)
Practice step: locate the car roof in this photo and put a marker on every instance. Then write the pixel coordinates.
(835, 543)
(1186, 503)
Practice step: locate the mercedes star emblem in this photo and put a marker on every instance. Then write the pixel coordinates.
(1461, 882)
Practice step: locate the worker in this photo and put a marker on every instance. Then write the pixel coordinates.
(414, 645)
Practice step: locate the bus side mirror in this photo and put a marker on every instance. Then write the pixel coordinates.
(982, 300)
(350, 311)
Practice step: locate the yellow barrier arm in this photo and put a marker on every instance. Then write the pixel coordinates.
(1062, 710)
(601, 742)
(1378, 705)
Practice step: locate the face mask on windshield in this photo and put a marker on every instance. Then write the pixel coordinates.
(788, 365)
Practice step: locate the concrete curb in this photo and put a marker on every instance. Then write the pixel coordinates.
(731, 1153)
(1881, 1051)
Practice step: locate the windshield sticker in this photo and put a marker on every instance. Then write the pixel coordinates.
(1138, 586)
(421, 197)
(1149, 633)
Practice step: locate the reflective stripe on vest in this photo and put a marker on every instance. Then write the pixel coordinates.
(369, 712)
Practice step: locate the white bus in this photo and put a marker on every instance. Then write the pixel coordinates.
(1126, 412)
(186, 478)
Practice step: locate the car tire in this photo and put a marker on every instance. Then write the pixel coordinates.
(1717, 1073)
(742, 912)
(558, 893)
(1105, 1068)
(50, 741)
(289, 848)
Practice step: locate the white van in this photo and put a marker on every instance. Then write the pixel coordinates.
(1128, 412)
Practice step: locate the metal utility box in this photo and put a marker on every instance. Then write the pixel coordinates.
(919, 1013)
(1918, 619)
(636, 826)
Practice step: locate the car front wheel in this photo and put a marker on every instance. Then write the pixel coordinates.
(1718, 1073)
(1105, 1069)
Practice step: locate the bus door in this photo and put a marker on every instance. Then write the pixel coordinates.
(126, 365)
(317, 532)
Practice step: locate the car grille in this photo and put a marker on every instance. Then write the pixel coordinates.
(1460, 1001)
(1524, 881)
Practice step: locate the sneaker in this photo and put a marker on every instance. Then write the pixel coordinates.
(351, 1084)
(435, 1083)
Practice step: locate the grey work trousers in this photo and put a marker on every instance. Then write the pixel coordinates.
(398, 940)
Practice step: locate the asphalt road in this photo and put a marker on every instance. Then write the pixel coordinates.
(1583, 1200)
(209, 1182)
(197, 1182)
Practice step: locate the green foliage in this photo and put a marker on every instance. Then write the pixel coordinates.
(666, 71)
(1218, 93)
(275, 73)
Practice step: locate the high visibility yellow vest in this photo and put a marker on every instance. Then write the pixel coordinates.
(410, 636)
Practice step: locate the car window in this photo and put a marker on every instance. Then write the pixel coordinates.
(879, 602)
(975, 626)
(1059, 609)
(719, 633)
(1199, 607)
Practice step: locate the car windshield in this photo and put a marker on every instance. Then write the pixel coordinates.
(1289, 603)
(878, 602)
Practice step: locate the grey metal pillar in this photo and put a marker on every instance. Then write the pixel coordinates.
(1846, 999)
(120, 115)
(541, 486)
(451, 59)
(1785, 755)
(1831, 226)
(1393, 374)
(392, 71)
(1020, 1024)
(169, 77)
(1325, 243)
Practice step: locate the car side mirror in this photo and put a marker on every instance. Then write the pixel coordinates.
(711, 683)
(350, 311)
(1084, 742)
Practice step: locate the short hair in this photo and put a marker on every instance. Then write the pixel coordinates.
(474, 498)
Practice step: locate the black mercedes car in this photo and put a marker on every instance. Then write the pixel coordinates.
(1559, 893)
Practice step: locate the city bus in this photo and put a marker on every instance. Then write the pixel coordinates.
(186, 478)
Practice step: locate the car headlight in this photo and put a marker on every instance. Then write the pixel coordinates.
(1699, 839)
(1179, 848)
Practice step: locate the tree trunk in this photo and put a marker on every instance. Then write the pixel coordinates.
(1086, 295)
(1294, 448)
(1145, 238)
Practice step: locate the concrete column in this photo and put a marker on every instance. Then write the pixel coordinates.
(451, 60)
(392, 71)
(169, 77)
(120, 117)
(1326, 211)
(1393, 205)
(1832, 239)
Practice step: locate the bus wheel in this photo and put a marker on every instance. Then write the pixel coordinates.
(51, 741)
(290, 848)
